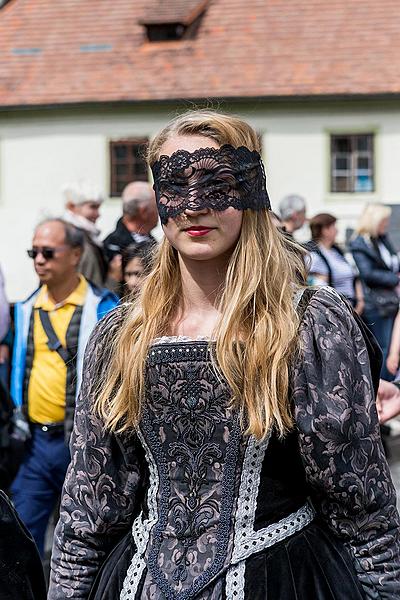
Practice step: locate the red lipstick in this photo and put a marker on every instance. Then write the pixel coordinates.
(198, 230)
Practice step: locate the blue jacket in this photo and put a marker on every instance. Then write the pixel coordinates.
(98, 302)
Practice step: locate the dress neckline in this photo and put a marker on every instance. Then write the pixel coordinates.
(173, 339)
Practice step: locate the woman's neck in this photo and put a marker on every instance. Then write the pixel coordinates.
(202, 282)
(325, 244)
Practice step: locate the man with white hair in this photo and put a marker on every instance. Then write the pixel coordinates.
(139, 217)
(293, 213)
(82, 203)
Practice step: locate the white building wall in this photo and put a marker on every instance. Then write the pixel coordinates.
(39, 152)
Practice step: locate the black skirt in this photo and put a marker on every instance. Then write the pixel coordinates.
(310, 565)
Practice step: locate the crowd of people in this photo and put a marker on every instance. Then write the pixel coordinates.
(144, 385)
(80, 279)
(366, 271)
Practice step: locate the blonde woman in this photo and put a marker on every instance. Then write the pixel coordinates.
(378, 266)
(226, 442)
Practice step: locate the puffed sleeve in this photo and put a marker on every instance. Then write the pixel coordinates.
(99, 498)
(340, 443)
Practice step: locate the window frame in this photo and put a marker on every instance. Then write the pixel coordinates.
(342, 199)
(354, 155)
(116, 181)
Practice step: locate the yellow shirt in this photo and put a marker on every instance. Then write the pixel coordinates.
(47, 383)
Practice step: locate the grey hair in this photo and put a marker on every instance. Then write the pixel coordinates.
(290, 205)
(74, 237)
(81, 192)
(134, 195)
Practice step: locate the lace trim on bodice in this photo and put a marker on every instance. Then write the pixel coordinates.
(176, 339)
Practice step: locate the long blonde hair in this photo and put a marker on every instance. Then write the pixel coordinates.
(257, 332)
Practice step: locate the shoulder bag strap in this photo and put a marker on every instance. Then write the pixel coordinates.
(53, 342)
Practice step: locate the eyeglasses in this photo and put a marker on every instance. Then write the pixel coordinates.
(47, 252)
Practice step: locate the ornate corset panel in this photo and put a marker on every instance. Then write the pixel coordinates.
(204, 514)
(194, 440)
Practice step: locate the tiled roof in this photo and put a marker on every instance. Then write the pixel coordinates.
(72, 51)
(175, 11)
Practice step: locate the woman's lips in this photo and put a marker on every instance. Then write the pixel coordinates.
(198, 231)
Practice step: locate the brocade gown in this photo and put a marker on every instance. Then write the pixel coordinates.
(188, 507)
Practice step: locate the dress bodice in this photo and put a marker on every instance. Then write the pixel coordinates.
(204, 474)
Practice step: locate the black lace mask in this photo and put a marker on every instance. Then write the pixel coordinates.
(214, 178)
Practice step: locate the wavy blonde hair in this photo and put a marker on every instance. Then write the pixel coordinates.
(256, 336)
(371, 217)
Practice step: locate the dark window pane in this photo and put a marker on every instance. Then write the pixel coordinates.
(140, 169)
(165, 32)
(119, 187)
(342, 144)
(121, 170)
(120, 152)
(342, 162)
(363, 142)
(363, 162)
(128, 163)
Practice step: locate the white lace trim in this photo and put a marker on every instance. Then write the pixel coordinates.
(141, 529)
(276, 532)
(247, 541)
(235, 581)
(172, 339)
(247, 499)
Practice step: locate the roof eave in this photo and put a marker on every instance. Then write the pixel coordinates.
(294, 98)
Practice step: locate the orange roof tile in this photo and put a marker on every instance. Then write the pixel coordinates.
(73, 51)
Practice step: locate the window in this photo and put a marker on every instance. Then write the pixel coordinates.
(165, 32)
(173, 21)
(352, 163)
(128, 163)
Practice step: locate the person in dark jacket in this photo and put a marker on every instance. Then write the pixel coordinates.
(378, 265)
(139, 217)
(21, 573)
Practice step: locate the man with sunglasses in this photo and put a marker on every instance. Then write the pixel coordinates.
(51, 331)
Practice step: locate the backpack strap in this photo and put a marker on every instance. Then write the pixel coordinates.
(53, 343)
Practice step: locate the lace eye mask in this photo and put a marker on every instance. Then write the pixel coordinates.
(214, 178)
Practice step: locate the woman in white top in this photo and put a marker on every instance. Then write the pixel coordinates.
(328, 264)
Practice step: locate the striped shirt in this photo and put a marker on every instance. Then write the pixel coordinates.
(341, 271)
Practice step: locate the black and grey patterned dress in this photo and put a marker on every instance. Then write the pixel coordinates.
(188, 507)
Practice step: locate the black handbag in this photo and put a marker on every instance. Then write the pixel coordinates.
(385, 300)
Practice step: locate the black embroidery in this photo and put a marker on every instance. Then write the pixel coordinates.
(214, 178)
(195, 440)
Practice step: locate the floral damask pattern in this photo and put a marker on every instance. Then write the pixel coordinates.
(195, 437)
(340, 447)
(340, 443)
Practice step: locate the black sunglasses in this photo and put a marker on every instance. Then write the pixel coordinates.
(47, 252)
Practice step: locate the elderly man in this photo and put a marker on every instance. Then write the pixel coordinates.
(51, 330)
(82, 203)
(139, 217)
(293, 213)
